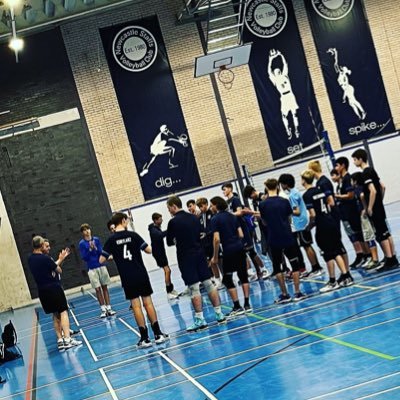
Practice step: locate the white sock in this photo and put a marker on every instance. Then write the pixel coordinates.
(199, 315)
(103, 308)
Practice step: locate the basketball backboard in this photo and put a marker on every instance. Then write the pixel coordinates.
(226, 58)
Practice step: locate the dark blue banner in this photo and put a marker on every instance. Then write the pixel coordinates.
(281, 78)
(150, 107)
(350, 68)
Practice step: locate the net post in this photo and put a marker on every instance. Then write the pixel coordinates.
(368, 150)
(328, 147)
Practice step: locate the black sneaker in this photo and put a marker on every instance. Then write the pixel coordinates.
(158, 339)
(389, 264)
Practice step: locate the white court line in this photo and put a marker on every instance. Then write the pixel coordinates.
(176, 366)
(108, 384)
(91, 295)
(354, 386)
(74, 317)
(377, 393)
(91, 351)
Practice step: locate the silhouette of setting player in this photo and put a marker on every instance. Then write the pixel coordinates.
(279, 76)
(162, 145)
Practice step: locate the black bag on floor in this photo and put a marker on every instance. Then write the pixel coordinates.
(8, 349)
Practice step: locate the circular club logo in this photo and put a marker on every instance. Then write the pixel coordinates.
(134, 48)
(332, 9)
(265, 18)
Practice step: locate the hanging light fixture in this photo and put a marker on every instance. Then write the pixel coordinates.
(16, 43)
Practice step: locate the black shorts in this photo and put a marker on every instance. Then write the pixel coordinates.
(329, 239)
(234, 262)
(194, 267)
(378, 221)
(140, 288)
(161, 261)
(53, 300)
(304, 238)
(290, 252)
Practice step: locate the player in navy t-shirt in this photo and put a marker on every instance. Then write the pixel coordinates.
(184, 232)
(228, 233)
(374, 192)
(327, 232)
(276, 212)
(125, 247)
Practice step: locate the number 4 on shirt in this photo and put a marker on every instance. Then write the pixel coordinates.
(127, 253)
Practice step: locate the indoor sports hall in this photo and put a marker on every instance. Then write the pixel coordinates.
(111, 108)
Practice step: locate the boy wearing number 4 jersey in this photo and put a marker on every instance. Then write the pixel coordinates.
(125, 247)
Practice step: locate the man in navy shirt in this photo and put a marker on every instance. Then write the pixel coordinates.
(228, 233)
(90, 248)
(235, 207)
(125, 247)
(157, 244)
(327, 233)
(46, 273)
(326, 187)
(276, 211)
(184, 231)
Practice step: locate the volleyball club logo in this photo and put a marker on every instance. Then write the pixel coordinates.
(134, 48)
(332, 9)
(265, 18)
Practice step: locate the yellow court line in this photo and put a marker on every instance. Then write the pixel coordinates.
(355, 285)
(322, 336)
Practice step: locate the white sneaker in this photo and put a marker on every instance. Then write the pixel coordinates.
(329, 287)
(315, 274)
(71, 343)
(186, 292)
(172, 295)
(253, 277)
(144, 343)
(111, 312)
(265, 273)
(103, 314)
(158, 339)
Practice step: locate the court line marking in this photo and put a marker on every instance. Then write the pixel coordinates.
(354, 386)
(108, 384)
(91, 351)
(377, 393)
(30, 381)
(176, 366)
(322, 336)
(74, 317)
(250, 325)
(355, 284)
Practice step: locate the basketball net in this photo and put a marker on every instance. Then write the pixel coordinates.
(226, 77)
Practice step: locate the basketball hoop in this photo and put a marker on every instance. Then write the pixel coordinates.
(226, 77)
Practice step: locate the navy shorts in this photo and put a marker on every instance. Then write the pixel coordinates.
(194, 267)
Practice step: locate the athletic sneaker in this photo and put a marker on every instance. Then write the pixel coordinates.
(315, 274)
(71, 343)
(144, 343)
(235, 312)
(158, 339)
(253, 277)
(111, 312)
(372, 265)
(73, 332)
(60, 344)
(220, 317)
(348, 282)
(248, 309)
(265, 273)
(299, 296)
(282, 299)
(389, 264)
(220, 285)
(186, 292)
(366, 262)
(173, 295)
(304, 274)
(103, 314)
(198, 325)
(329, 286)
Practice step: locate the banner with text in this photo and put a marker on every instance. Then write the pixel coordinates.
(281, 78)
(150, 107)
(350, 68)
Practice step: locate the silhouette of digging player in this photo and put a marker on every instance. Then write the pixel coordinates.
(280, 79)
(348, 90)
(162, 145)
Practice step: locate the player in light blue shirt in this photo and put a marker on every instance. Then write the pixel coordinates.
(300, 223)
